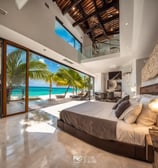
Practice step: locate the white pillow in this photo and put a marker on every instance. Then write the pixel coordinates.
(146, 100)
(132, 115)
(130, 108)
(126, 112)
(147, 117)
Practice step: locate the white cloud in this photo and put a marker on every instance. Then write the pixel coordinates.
(38, 83)
(41, 60)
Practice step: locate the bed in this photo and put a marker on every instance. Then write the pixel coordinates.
(103, 129)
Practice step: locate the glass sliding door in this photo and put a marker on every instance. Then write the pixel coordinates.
(15, 80)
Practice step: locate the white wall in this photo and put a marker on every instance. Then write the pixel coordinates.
(132, 79)
(129, 80)
(139, 65)
(99, 82)
(37, 22)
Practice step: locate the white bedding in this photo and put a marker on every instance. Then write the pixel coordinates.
(131, 133)
(128, 133)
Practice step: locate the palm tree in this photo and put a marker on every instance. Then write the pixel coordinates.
(68, 77)
(49, 79)
(16, 70)
(86, 81)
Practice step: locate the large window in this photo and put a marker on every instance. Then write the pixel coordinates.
(15, 79)
(62, 32)
(32, 81)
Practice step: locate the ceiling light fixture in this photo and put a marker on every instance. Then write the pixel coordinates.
(111, 29)
(126, 24)
(73, 8)
(3, 12)
(109, 16)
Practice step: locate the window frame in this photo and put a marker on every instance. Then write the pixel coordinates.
(75, 39)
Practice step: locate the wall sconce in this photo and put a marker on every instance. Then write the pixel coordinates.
(153, 106)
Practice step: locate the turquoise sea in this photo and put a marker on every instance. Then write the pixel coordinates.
(39, 91)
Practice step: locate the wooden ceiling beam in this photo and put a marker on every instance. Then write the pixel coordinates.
(100, 35)
(108, 34)
(68, 8)
(104, 22)
(91, 29)
(116, 31)
(110, 19)
(94, 13)
(86, 23)
(99, 18)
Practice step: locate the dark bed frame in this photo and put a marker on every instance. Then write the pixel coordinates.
(144, 153)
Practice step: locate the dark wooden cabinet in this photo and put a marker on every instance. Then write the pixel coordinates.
(100, 96)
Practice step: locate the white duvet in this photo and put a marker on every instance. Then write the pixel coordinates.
(128, 133)
(131, 133)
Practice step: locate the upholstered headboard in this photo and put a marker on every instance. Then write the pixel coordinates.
(151, 89)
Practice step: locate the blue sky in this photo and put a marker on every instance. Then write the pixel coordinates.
(52, 66)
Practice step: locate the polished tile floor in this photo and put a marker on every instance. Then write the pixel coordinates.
(33, 141)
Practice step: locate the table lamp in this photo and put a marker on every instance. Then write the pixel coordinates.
(153, 106)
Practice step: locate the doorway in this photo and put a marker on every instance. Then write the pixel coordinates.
(15, 80)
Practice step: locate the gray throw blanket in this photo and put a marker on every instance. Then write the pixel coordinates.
(92, 118)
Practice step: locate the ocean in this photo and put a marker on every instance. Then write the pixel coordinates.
(39, 91)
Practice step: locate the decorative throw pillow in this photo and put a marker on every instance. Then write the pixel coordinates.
(116, 105)
(122, 107)
(147, 117)
(132, 115)
(130, 108)
(119, 101)
(126, 97)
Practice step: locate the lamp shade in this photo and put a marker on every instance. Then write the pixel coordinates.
(153, 105)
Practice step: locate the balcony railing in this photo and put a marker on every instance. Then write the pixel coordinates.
(103, 49)
(100, 49)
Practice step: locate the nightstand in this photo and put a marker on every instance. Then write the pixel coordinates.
(154, 138)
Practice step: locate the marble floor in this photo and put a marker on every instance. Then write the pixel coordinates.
(33, 141)
(19, 106)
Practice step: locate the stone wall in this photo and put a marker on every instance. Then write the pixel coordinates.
(150, 69)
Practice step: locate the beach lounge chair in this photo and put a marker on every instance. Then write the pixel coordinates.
(84, 96)
(60, 96)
